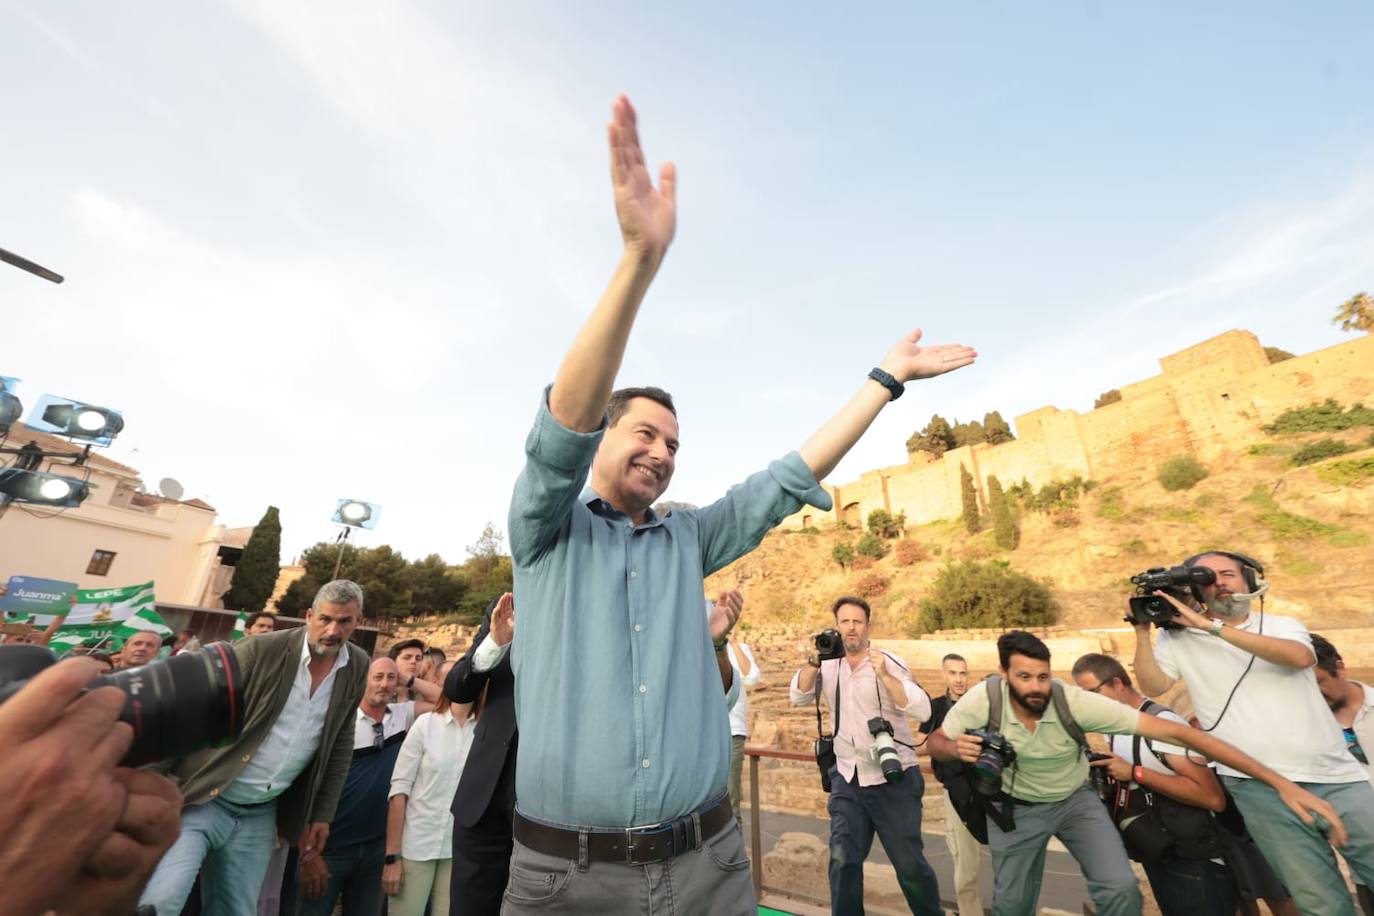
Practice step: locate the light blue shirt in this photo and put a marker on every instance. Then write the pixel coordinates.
(617, 691)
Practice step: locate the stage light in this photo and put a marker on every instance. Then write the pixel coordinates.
(356, 514)
(42, 489)
(11, 409)
(76, 419)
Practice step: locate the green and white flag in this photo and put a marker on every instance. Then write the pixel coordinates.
(106, 617)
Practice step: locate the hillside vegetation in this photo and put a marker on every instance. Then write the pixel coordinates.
(1299, 504)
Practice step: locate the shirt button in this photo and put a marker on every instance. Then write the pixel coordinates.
(643, 689)
(247, 757)
(645, 764)
(638, 628)
(214, 792)
(633, 574)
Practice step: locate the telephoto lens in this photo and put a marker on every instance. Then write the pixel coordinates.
(885, 749)
(184, 703)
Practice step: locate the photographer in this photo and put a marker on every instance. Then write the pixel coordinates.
(1251, 680)
(81, 833)
(875, 784)
(1173, 796)
(1033, 753)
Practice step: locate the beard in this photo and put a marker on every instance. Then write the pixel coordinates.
(1032, 702)
(855, 646)
(1231, 607)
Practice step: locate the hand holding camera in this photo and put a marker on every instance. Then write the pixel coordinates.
(994, 754)
(1162, 594)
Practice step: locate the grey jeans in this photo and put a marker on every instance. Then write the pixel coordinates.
(1081, 823)
(711, 881)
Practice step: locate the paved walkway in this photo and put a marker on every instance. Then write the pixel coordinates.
(1063, 887)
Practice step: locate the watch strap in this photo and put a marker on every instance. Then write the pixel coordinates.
(1216, 628)
(390, 858)
(887, 381)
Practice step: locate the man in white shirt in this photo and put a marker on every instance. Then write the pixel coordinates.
(1251, 681)
(746, 674)
(868, 793)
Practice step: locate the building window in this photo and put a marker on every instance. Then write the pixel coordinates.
(100, 563)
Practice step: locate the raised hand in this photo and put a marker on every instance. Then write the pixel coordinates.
(648, 215)
(907, 360)
(725, 613)
(503, 620)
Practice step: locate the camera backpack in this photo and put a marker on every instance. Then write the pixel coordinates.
(972, 806)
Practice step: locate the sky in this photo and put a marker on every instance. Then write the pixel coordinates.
(318, 250)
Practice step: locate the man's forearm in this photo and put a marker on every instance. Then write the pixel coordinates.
(395, 824)
(806, 678)
(1272, 649)
(1153, 681)
(727, 672)
(941, 747)
(585, 379)
(1216, 749)
(833, 440)
(896, 690)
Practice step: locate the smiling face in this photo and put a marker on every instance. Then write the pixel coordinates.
(382, 681)
(635, 461)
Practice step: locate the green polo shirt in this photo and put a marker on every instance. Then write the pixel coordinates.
(1049, 766)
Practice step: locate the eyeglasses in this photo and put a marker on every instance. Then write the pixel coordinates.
(1098, 688)
(377, 740)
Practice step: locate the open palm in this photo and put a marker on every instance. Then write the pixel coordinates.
(907, 360)
(648, 215)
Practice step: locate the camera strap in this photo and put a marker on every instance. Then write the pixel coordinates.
(820, 729)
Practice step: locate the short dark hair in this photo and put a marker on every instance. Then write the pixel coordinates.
(436, 655)
(621, 398)
(854, 600)
(254, 618)
(1327, 656)
(395, 651)
(1102, 667)
(1019, 642)
(952, 657)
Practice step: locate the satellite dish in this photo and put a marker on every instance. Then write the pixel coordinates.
(170, 488)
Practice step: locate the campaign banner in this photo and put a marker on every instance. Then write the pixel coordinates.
(105, 617)
(29, 595)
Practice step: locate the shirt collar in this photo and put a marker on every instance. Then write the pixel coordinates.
(592, 500)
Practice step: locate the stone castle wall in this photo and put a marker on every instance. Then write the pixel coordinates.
(1211, 399)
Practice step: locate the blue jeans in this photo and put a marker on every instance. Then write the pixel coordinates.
(1191, 887)
(893, 811)
(1299, 853)
(355, 873)
(229, 845)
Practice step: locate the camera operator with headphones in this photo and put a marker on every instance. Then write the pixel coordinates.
(1251, 681)
(868, 766)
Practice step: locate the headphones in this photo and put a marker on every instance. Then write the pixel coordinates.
(1250, 569)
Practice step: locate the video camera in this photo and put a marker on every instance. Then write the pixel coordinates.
(181, 704)
(1183, 582)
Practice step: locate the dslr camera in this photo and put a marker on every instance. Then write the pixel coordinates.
(885, 748)
(997, 755)
(829, 644)
(1182, 582)
(175, 706)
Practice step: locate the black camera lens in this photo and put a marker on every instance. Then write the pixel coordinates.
(987, 773)
(182, 704)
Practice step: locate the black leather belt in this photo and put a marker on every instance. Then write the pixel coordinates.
(633, 845)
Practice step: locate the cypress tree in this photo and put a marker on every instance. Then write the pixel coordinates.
(1003, 525)
(969, 497)
(256, 573)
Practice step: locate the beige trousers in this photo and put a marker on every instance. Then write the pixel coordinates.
(967, 856)
(422, 883)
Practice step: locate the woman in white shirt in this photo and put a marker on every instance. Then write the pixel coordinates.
(419, 825)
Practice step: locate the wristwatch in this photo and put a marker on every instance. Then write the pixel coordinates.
(1216, 628)
(390, 859)
(887, 381)
(410, 683)
(720, 646)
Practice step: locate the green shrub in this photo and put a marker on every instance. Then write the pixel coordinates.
(1313, 452)
(843, 554)
(886, 525)
(1289, 526)
(968, 497)
(1346, 473)
(1057, 494)
(1261, 496)
(908, 552)
(870, 545)
(1182, 472)
(972, 594)
(1326, 417)
(1269, 450)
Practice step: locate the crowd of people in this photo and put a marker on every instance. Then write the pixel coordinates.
(586, 760)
